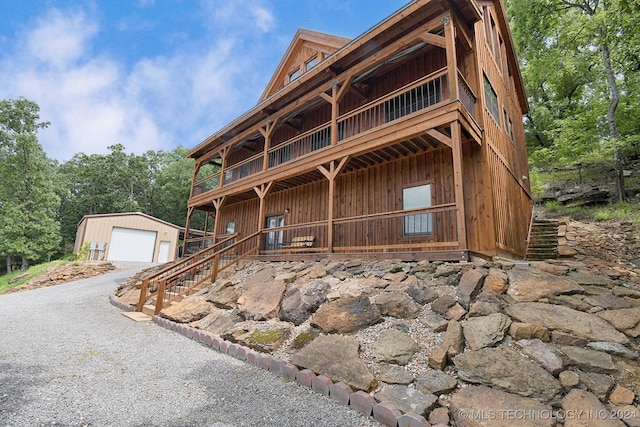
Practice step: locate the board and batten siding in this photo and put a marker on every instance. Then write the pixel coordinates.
(98, 228)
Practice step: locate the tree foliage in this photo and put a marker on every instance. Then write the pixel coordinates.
(580, 61)
(28, 202)
(156, 183)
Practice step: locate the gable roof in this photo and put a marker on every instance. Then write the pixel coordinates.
(304, 44)
(131, 214)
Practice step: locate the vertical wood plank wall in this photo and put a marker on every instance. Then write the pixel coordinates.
(376, 189)
(506, 156)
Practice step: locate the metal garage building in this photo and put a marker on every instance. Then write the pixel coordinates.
(132, 236)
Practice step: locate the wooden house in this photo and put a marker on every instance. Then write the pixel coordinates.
(407, 140)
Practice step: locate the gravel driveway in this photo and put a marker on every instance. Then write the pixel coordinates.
(68, 357)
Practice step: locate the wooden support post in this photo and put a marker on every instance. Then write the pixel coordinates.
(452, 63)
(186, 231)
(217, 204)
(456, 152)
(262, 191)
(224, 153)
(330, 174)
(266, 133)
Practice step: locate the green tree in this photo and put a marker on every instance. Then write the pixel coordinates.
(579, 61)
(28, 202)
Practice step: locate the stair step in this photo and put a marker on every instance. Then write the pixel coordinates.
(149, 309)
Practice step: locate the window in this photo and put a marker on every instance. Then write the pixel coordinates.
(492, 100)
(415, 198)
(294, 75)
(231, 227)
(508, 125)
(311, 63)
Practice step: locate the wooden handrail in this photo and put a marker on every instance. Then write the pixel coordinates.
(433, 209)
(192, 268)
(144, 296)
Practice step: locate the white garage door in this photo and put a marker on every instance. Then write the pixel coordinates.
(128, 244)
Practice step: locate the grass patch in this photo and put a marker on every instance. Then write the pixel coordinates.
(32, 273)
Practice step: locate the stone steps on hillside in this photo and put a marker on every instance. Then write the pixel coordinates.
(543, 240)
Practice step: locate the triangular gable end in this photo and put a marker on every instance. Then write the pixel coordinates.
(307, 49)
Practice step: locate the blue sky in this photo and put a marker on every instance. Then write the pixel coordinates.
(154, 74)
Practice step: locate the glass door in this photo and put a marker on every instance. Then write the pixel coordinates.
(274, 239)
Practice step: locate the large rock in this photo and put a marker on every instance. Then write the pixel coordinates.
(261, 301)
(222, 322)
(224, 296)
(397, 304)
(548, 356)
(338, 358)
(480, 332)
(584, 409)
(300, 304)
(589, 360)
(394, 374)
(469, 287)
(187, 310)
(585, 278)
(530, 284)
(563, 319)
(394, 347)
(346, 315)
(625, 320)
(505, 368)
(452, 345)
(480, 406)
(436, 382)
(407, 399)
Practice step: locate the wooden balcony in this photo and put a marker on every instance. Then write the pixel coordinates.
(427, 94)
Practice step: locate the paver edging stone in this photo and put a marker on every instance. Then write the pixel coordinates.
(359, 401)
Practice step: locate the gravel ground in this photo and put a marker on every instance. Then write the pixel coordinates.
(69, 358)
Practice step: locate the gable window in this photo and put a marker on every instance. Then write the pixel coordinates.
(492, 100)
(415, 198)
(294, 75)
(311, 63)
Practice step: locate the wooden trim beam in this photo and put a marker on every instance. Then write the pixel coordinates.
(433, 39)
(452, 64)
(440, 137)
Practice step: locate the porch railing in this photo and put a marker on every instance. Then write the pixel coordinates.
(296, 238)
(416, 229)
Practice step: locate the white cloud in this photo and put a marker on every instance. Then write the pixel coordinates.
(60, 39)
(94, 100)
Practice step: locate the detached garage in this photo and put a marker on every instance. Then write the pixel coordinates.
(127, 237)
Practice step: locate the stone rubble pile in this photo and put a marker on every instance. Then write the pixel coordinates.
(483, 343)
(65, 273)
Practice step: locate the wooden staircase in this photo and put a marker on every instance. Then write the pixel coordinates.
(193, 273)
(543, 240)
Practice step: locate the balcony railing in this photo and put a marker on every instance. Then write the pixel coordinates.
(309, 141)
(419, 95)
(467, 97)
(244, 168)
(422, 94)
(209, 183)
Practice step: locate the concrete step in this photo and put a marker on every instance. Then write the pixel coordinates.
(149, 309)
